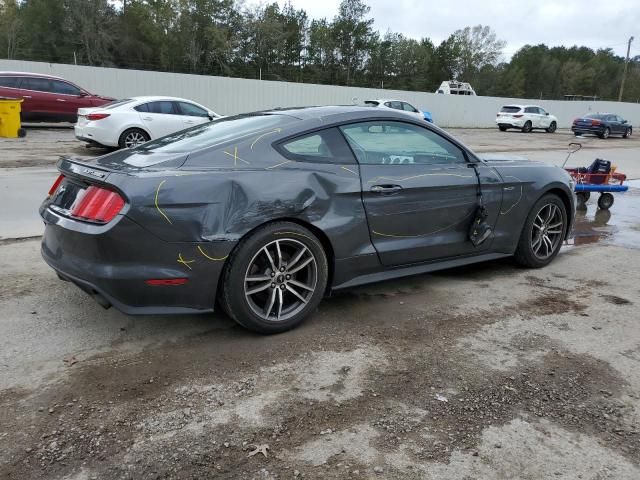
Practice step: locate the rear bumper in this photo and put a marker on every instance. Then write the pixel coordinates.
(112, 263)
(510, 123)
(596, 130)
(98, 136)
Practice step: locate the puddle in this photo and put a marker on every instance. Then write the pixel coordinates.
(619, 226)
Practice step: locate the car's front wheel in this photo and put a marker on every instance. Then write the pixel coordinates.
(132, 138)
(275, 278)
(543, 232)
(627, 133)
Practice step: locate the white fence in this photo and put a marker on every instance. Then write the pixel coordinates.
(228, 96)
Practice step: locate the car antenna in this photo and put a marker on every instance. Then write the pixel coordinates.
(480, 230)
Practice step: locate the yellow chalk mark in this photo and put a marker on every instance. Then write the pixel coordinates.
(235, 157)
(275, 130)
(278, 165)
(392, 235)
(157, 207)
(377, 179)
(519, 198)
(185, 262)
(210, 257)
(349, 170)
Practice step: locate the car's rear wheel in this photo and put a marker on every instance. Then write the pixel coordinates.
(275, 278)
(543, 232)
(528, 126)
(552, 128)
(132, 138)
(605, 133)
(627, 133)
(503, 129)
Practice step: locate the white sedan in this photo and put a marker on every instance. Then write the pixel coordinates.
(132, 121)
(399, 105)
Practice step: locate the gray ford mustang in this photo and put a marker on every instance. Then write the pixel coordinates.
(265, 213)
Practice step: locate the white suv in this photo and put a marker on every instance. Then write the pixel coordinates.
(525, 118)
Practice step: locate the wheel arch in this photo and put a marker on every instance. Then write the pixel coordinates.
(134, 127)
(566, 200)
(322, 237)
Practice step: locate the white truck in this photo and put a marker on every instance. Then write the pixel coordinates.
(453, 87)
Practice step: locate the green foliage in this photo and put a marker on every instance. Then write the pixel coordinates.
(221, 37)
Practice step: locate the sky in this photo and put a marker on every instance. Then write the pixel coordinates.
(595, 24)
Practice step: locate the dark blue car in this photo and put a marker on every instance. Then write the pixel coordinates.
(602, 125)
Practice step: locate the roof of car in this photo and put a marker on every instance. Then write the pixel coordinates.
(520, 106)
(321, 112)
(150, 98)
(30, 74)
(383, 100)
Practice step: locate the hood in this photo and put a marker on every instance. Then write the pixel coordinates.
(502, 157)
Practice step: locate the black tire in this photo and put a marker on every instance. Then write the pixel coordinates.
(235, 295)
(583, 197)
(605, 201)
(606, 133)
(503, 129)
(552, 128)
(127, 135)
(527, 127)
(577, 134)
(525, 254)
(627, 133)
(22, 133)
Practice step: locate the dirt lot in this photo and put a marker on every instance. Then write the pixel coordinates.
(484, 372)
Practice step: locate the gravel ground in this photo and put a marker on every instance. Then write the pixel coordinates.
(482, 372)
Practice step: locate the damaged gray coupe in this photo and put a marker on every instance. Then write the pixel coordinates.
(266, 213)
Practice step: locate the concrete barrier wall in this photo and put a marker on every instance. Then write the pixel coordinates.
(229, 96)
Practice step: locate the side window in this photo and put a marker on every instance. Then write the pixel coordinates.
(396, 105)
(399, 143)
(192, 110)
(542, 111)
(11, 82)
(408, 108)
(64, 88)
(530, 110)
(164, 107)
(324, 146)
(143, 107)
(37, 84)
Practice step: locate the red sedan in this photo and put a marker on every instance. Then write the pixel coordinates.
(47, 98)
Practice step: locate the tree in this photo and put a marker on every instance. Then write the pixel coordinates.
(10, 26)
(353, 35)
(477, 47)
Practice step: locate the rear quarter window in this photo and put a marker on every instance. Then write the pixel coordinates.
(324, 146)
(11, 82)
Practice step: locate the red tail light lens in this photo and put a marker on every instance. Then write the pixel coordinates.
(167, 282)
(517, 116)
(98, 205)
(595, 122)
(97, 116)
(55, 185)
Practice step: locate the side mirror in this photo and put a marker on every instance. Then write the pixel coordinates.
(83, 94)
(546, 113)
(624, 121)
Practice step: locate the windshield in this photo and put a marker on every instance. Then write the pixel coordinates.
(215, 132)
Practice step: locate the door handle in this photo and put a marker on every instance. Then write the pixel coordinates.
(189, 121)
(147, 118)
(60, 100)
(386, 189)
(26, 96)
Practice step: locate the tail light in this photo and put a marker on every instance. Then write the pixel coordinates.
(97, 116)
(517, 116)
(55, 185)
(98, 205)
(595, 122)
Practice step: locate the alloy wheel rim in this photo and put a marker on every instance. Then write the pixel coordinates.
(546, 234)
(280, 280)
(134, 139)
(606, 133)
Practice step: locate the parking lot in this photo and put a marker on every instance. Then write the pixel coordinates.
(484, 372)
